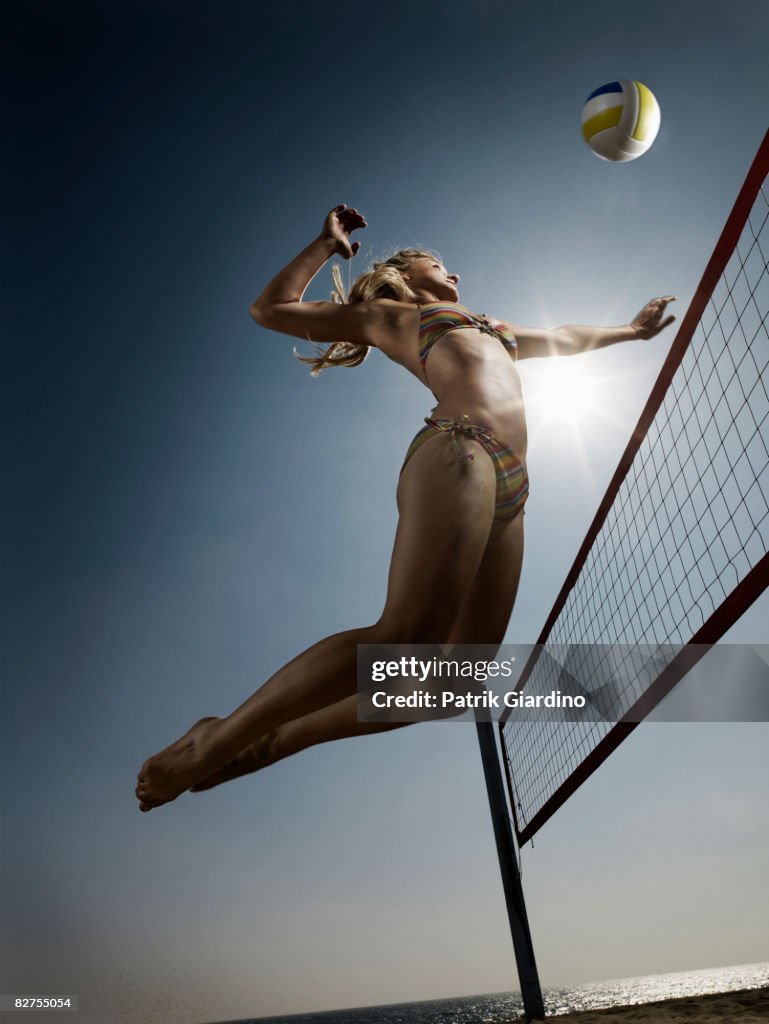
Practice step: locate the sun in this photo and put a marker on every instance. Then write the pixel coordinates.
(564, 390)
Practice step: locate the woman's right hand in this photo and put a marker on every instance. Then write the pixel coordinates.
(340, 223)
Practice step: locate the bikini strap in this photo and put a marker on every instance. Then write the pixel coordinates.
(454, 427)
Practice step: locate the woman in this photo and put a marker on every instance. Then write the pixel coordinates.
(459, 544)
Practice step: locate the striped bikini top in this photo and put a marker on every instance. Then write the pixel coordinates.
(438, 318)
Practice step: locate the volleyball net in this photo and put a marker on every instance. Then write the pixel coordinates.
(678, 547)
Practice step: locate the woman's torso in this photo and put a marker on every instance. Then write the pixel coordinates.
(467, 361)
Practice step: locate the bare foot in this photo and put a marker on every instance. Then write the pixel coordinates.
(258, 755)
(169, 773)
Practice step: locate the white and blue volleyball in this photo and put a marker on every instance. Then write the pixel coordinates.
(620, 120)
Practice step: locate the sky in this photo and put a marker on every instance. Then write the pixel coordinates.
(186, 509)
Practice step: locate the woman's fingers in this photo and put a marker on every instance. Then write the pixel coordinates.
(663, 303)
(352, 219)
(349, 214)
(660, 305)
(340, 223)
(349, 220)
(649, 321)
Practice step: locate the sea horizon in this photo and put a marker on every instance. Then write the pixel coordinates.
(504, 1007)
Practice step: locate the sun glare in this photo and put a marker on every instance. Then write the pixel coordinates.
(565, 391)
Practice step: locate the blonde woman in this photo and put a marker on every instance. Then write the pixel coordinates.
(458, 547)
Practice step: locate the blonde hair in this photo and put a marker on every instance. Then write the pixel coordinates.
(383, 281)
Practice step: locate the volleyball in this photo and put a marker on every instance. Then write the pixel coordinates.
(620, 120)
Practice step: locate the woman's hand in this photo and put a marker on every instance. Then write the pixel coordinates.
(338, 226)
(649, 321)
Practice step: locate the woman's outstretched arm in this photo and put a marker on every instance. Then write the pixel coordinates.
(280, 307)
(573, 339)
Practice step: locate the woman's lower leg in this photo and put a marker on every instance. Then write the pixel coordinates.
(335, 722)
(323, 675)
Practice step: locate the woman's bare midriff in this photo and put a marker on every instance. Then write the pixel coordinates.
(471, 374)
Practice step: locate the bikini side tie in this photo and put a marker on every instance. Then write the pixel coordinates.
(454, 427)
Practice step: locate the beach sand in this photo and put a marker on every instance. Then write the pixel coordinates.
(748, 1006)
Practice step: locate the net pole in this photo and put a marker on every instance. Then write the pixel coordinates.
(533, 1004)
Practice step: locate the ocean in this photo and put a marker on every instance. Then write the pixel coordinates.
(502, 1007)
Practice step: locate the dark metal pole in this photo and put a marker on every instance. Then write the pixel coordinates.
(531, 991)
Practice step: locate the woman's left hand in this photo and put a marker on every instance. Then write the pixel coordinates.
(649, 321)
(340, 222)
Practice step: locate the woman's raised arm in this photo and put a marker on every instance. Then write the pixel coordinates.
(573, 339)
(280, 306)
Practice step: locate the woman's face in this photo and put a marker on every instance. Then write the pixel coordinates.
(430, 280)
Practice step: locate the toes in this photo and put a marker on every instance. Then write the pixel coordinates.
(145, 800)
(147, 805)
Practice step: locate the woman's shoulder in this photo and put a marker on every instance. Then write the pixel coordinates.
(393, 313)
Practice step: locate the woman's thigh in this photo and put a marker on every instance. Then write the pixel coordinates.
(446, 508)
(485, 613)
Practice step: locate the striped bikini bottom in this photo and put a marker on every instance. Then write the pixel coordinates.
(512, 478)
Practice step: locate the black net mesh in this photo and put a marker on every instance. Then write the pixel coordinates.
(689, 521)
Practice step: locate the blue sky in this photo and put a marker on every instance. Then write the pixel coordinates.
(186, 509)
